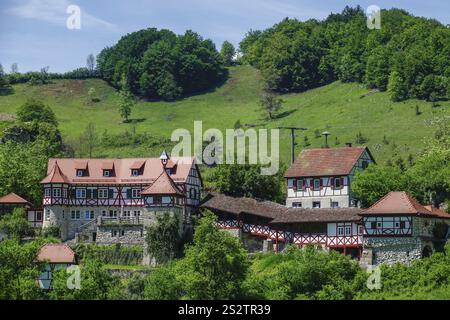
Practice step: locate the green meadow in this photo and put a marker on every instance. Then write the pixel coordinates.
(344, 109)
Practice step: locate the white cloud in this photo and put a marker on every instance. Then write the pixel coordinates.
(54, 11)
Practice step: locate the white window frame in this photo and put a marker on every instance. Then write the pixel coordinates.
(80, 173)
(48, 192)
(106, 173)
(64, 192)
(75, 215)
(340, 231)
(56, 192)
(349, 229)
(89, 215)
(135, 172)
(103, 193)
(47, 214)
(135, 193)
(80, 193)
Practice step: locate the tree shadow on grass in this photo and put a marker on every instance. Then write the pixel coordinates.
(6, 91)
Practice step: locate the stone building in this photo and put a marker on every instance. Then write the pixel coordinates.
(322, 178)
(110, 201)
(398, 228)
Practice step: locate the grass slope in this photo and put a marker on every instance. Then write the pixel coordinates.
(338, 108)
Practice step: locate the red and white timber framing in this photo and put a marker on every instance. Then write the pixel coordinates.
(300, 239)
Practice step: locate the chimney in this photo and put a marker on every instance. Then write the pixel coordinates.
(348, 144)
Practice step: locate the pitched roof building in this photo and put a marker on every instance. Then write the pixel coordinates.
(322, 178)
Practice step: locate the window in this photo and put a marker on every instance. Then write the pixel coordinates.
(335, 204)
(48, 192)
(75, 215)
(137, 213)
(397, 224)
(360, 229)
(103, 193)
(103, 213)
(316, 204)
(80, 173)
(80, 193)
(56, 193)
(379, 225)
(122, 233)
(47, 214)
(106, 173)
(38, 215)
(373, 225)
(402, 225)
(340, 231)
(300, 184)
(296, 204)
(127, 213)
(365, 164)
(114, 233)
(64, 193)
(89, 215)
(337, 183)
(135, 193)
(112, 213)
(348, 230)
(316, 184)
(135, 172)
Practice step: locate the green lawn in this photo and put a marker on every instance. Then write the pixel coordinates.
(338, 108)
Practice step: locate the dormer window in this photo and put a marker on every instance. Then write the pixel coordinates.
(80, 173)
(106, 173)
(135, 173)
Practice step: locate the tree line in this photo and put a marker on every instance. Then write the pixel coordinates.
(408, 56)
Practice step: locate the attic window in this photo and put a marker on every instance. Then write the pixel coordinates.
(106, 173)
(80, 173)
(135, 173)
(365, 164)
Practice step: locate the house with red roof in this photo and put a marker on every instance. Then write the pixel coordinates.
(109, 200)
(54, 257)
(322, 178)
(397, 228)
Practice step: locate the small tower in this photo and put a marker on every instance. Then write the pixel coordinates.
(164, 158)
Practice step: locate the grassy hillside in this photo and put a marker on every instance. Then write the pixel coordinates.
(343, 109)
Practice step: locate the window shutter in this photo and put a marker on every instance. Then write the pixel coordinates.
(129, 194)
(110, 193)
(332, 183)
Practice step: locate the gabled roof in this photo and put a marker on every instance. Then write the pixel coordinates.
(163, 185)
(299, 215)
(56, 253)
(55, 176)
(325, 162)
(13, 198)
(397, 203)
(150, 170)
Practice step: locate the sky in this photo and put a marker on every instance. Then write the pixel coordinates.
(34, 33)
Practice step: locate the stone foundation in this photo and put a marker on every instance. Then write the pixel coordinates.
(125, 235)
(391, 250)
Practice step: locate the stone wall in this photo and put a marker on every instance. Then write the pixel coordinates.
(391, 250)
(125, 235)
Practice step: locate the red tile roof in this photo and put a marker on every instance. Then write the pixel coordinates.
(398, 202)
(56, 253)
(55, 175)
(163, 185)
(438, 212)
(299, 215)
(325, 162)
(13, 198)
(60, 170)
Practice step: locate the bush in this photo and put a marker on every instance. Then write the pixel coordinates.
(111, 254)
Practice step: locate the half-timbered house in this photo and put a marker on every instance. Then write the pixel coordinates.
(54, 257)
(398, 228)
(83, 196)
(263, 224)
(321, 178)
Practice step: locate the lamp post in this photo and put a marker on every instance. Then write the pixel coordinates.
(326, 134)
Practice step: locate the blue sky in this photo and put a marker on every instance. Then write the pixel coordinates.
(33, 33)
